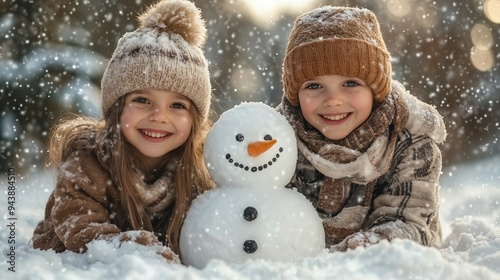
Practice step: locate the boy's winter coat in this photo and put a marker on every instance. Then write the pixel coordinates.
(382, 178)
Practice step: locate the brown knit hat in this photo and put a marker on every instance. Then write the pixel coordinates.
(163, 53)
(336, 41)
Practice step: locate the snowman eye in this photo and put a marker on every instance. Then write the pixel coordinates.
(239, 137)
(268, 137)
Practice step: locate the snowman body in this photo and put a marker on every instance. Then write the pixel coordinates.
(251, 153)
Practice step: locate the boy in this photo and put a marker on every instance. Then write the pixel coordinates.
(368, 154)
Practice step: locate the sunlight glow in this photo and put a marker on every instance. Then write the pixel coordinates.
(399, 8)
(425, 15)
(267, 12)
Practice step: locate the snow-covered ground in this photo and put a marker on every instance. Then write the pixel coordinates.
(470, 216)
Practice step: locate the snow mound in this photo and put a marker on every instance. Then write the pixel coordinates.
(471, 249)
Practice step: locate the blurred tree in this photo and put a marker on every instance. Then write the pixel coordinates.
(53, 53)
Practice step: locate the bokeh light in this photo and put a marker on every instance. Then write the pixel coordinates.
(481, 36)
(492, 10)
(481, 55)
(483, 60)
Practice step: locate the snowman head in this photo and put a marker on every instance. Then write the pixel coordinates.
(251, 144)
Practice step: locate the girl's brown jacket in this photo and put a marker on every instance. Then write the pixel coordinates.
(85, 205)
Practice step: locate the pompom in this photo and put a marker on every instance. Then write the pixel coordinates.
(176, 16)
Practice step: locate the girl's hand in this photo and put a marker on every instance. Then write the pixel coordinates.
(169, 255)
(142, 237)
(355, 240)
(147, 238)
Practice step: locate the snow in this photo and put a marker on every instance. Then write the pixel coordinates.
(470, 215)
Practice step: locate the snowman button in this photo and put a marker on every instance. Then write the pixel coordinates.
(250, 213)
(250, 246)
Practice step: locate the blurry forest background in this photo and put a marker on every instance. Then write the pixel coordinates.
(53, 54)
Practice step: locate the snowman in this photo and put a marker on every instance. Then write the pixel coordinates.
(250, 153)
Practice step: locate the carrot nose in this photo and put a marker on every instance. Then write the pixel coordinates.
(257, 148)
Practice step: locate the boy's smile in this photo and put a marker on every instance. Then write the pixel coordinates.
(335, 105)
(339, 117)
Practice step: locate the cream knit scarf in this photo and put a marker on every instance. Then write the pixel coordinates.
(159, 195)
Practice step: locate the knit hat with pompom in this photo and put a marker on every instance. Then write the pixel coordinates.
(337, 41)
(163, 53)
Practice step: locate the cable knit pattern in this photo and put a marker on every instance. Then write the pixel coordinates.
(382, 178)
(164, 52)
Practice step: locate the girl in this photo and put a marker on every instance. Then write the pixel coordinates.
(132, 176)
(368, 155)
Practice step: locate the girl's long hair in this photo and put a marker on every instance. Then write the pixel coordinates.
(114, 153)
(192, 177)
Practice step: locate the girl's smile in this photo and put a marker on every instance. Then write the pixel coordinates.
(154, 135)
(156, 122)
